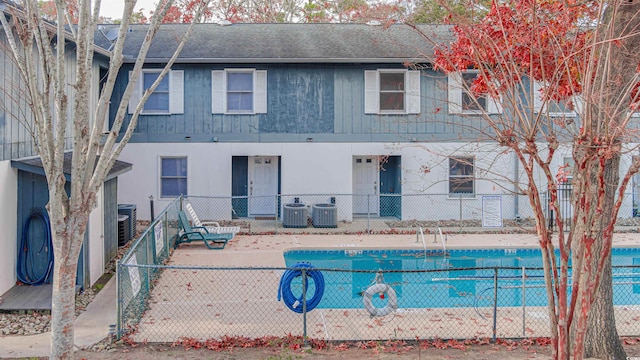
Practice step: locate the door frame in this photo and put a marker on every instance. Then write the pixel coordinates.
(359, 202)
(264, 206)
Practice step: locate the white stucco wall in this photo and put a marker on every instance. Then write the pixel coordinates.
(306, 168)
(327, 169)
(8, 225)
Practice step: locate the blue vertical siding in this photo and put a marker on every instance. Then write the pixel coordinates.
(16, 140)
(303, 100)
(300, 100)
(110, 200)
(33, 195)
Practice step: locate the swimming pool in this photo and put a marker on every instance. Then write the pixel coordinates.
(425, 279)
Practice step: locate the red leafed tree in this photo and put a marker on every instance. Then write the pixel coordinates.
(50, 13)
(351, 11)
(534, 57)
(288, 11)
(184, 11)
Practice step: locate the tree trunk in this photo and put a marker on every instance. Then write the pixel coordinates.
(63, 308)
(602, 340)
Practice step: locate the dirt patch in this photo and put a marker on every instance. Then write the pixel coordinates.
(502, 350)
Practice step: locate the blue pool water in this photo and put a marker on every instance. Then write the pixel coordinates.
(427, 279)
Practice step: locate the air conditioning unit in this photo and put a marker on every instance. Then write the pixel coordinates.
(124, 225)
(131, 212)
(294, 215)
(325, 216)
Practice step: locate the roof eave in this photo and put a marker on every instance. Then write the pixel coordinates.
(283, 60)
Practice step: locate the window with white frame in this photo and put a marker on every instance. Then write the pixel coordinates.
(167, 98)
(463, 101)
(472, 102)
(556, 108)
(565, 172)
(461, 176)
(158, 101)
(173, 176)
(392, 91)
(238, 91)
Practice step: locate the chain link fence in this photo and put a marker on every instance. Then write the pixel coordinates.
(427, 294)
(383, 214)
(152, 248)
(461, 303)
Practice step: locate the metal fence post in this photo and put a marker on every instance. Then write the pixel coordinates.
(460, 213)
(495, 303)
(368, 213)
(149, 260)
(524, 300)
(165, 235)
(276, 217)
(304, 305)
(118, 301)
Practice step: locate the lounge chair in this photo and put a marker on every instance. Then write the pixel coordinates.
(199, 233)
(212, 227)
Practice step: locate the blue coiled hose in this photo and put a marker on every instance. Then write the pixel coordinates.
(28, 252)
(285, 293)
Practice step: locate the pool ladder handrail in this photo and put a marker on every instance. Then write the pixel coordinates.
(420, 232)
(445, 262)
(442, 240)
(420, 235)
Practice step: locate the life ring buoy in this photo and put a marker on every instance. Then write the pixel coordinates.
(392, 303)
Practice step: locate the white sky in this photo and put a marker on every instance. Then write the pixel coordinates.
(113, 8)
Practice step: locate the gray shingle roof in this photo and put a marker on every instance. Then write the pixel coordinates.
(287, 43)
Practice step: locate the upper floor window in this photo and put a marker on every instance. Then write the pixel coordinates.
(472, 102)
(173, 176)
(569, 107)
(167, 98)
(463, 101)
(461, 176)
(392, 91)
(159, 99)
(238, 91)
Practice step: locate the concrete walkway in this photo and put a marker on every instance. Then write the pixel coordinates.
(90, 328)
(92, 325)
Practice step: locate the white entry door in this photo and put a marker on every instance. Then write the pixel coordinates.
(365, 185)
(263, 185)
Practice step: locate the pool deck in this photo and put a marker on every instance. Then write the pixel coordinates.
(215, 304)
(266, 250)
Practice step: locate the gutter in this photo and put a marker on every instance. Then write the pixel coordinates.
(421, 60)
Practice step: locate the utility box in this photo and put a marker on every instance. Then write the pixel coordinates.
(325, 216)
(295, 215)
(124, 226)
(131, 211)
